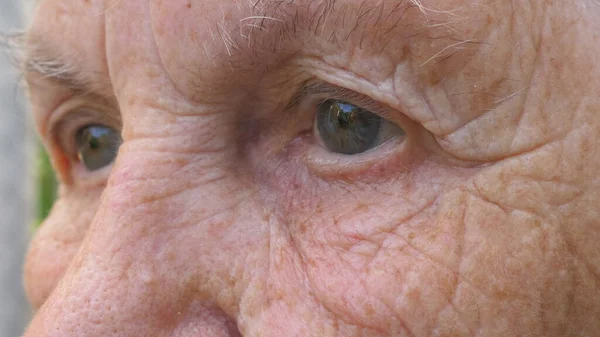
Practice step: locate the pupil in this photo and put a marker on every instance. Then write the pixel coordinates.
(345, 115)
(94, 142)
(97, 146)
(349, 129)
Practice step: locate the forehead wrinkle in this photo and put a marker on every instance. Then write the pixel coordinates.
(274, 25)
(253, 40)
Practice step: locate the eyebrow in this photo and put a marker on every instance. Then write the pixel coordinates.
(271, 21)
(278, 20)
(34, 55)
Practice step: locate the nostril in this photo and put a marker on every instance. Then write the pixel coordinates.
(234, 331)
(199, 320)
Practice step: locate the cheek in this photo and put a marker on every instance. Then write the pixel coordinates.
(56, 242)
(428, 247)
(385, 238)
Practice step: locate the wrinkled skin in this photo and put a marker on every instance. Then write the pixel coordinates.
(223, 216)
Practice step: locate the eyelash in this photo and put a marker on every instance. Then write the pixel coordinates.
(321, 92)
(333, 166)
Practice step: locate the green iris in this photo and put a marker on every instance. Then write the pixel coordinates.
(97, 146)
(349, 129)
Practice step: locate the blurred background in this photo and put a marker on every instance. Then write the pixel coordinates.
(26, 183)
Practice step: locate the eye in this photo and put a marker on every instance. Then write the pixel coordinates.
(97, 146)
(349, 129)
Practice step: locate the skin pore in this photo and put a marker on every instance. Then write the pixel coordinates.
(226, 214)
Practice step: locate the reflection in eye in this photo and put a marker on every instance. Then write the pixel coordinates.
(349, 129)
(97, 146)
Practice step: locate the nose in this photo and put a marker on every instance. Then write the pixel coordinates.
(158, 259)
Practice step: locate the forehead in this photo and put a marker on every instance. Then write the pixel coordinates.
(101, 36)
(198, 47)
(90, 33)
(214, 24)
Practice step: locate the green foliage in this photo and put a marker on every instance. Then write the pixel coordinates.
(46, 186)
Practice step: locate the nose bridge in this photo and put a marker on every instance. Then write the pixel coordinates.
(167, 246)
(148, 265)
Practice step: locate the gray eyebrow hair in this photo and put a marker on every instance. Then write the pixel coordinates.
(270, 24)
(34, 55)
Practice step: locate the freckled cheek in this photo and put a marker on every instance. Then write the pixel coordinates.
(343, 210)
(305, 179)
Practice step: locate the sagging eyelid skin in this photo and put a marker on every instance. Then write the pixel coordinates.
(316, 168)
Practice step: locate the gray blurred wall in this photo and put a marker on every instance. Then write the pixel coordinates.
(15, 183)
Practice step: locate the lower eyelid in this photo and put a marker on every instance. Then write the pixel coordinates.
(397, 154)
(83, 177)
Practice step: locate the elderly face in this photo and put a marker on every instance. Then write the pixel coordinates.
(318, 168)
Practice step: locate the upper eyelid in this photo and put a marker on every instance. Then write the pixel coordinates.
(315, 88)
(331, 91)
(105, 111)
(64, 124)
(63, 131)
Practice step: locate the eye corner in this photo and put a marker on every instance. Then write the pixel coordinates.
(60, 163)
